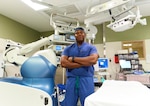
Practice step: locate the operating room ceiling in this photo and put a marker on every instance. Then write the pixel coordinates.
(39, 20)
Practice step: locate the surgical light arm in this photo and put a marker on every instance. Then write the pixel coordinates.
(97, 14)
(63, 23)
(34, 46)
(127, 22)
(108, 10)
(106, 6)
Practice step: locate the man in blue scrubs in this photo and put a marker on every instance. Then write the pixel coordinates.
(78, 59)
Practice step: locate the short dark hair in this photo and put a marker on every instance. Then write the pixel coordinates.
(79, 28)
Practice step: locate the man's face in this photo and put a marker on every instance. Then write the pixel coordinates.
(80, 35)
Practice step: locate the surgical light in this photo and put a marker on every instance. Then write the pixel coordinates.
(122, 14)
(127, 22)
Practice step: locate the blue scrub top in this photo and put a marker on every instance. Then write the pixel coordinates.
(83, 50)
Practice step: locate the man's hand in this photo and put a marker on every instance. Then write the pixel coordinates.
(67, 62)
(70, 59)
(85, 61)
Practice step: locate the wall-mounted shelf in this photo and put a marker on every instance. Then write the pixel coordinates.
(129, 61)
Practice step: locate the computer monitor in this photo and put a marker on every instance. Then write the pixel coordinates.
(125, 64)
(70, 37)
(102, 63)
(58, 48)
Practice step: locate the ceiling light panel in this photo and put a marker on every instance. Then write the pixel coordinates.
(34, 6)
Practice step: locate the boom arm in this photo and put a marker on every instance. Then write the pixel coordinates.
(16, 54)
(34, 46)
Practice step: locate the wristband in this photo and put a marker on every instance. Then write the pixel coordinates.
(72, 59)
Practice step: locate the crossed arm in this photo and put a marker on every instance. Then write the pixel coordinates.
(76, 62)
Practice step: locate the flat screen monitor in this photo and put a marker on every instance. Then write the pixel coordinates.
(58, 48)
(70, 37)
(102, 63)
(125, 64)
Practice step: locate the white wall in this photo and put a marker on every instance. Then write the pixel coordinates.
(146, 62)
(111, 49)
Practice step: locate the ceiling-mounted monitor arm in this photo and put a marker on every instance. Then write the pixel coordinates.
(63, 24)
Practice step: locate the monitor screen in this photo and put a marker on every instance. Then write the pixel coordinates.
(58, 48)
(102, 63)
(125, 64)
(70, 37)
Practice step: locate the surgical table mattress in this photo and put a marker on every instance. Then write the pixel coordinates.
(120, 93)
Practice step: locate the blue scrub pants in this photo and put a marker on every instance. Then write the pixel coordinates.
(78, 88)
